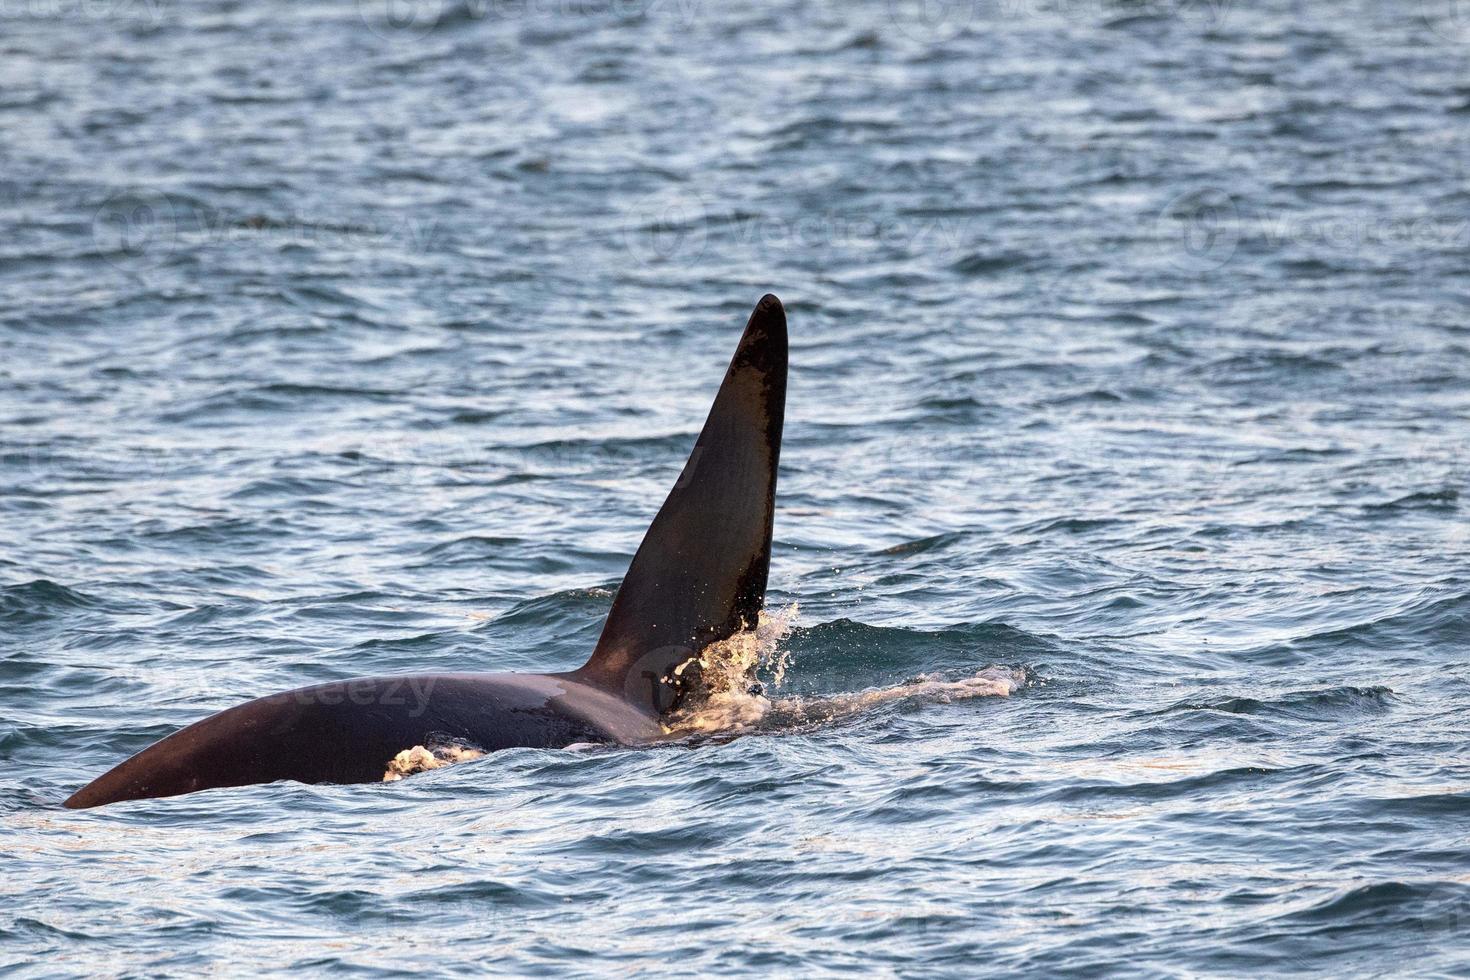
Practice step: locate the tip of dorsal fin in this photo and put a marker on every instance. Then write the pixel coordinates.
(700, 574)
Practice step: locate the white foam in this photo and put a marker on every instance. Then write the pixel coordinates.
(800, 712)
(423, 758)
(729, 704)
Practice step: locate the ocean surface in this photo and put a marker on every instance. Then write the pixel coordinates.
(1130, 376)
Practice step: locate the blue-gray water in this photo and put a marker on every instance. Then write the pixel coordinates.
(1129, 347)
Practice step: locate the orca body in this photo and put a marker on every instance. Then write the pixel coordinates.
(698, 577)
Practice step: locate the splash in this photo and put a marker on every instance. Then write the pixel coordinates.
(729, 697)
(422, 758)
(731, 701)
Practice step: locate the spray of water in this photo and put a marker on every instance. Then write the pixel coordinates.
(729, 697)
(732, 701)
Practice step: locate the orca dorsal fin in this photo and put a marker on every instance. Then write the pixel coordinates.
(700, 574)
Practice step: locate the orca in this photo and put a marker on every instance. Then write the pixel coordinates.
(698, 577)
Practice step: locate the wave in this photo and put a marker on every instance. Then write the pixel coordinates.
(1443, 499)
(40, 600)
(552, 610)
(473, 546)
(1298, 705)
(920, 545)
(982, 264)
(1069, 525)
(288, 487)
(1438, 618)
(832, 654)
(1428, 906)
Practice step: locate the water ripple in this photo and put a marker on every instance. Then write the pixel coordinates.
(1128, 363)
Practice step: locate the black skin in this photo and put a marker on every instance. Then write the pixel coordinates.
(347, 731)
(698, 577)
